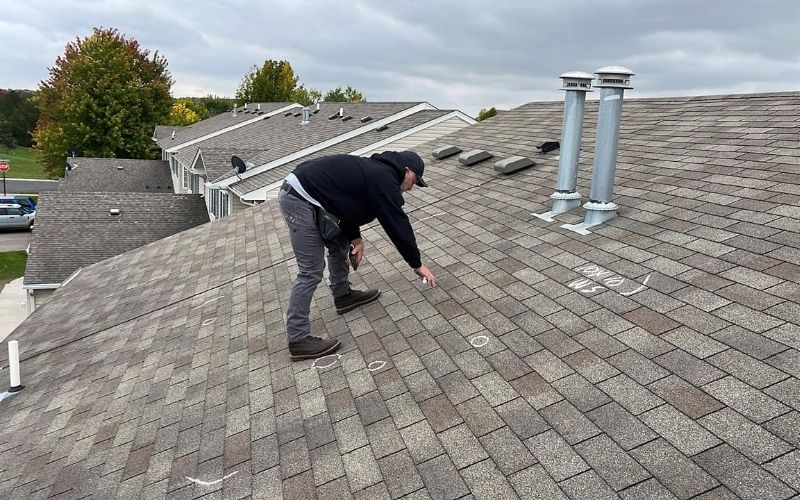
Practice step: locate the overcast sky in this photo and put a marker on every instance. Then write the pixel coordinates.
(460, 54)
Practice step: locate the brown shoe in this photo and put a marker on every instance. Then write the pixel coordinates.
(354, 298)
(313, 347)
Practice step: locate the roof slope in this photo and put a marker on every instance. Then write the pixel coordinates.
(273, 175)
(75, 229)
(103, 174)
(212, 124)
(676, 377)
(281, 135)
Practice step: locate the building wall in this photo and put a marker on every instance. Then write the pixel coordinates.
(36, 298)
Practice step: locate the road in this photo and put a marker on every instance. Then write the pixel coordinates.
(26, 186)
(11, 240)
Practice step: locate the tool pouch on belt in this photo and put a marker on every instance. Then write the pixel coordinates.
(328, 225)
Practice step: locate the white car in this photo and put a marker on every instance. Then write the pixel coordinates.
(14, 216)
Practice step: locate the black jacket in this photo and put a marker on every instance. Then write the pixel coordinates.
(357, 190)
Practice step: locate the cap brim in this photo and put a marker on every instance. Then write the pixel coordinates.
(421, 182)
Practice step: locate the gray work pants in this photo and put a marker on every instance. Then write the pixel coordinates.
(309, 251)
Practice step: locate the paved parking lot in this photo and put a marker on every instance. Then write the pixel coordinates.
(14, 240)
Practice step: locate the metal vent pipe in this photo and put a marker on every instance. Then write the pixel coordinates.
(576, 84)
(612, 80)
(566, 196)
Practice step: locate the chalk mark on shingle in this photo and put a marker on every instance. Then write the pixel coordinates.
(479, 340)
(336, 359)
(209, 483)
(378, 365)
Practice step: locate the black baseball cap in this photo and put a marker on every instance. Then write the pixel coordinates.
(413, 162)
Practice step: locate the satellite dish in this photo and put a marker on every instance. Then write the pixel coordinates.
(238, 164)
(73, 151)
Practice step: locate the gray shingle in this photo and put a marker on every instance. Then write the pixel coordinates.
(742, 476)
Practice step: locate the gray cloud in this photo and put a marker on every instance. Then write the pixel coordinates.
(454, 54)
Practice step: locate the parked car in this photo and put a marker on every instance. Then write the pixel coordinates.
(15, 216)
(26, 202)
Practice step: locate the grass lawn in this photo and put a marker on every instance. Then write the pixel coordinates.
(23, 164)
(12, 265)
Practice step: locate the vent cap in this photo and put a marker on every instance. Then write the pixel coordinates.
(366, 119)
(576, 80)
(445, 152)
(474, 156)
(113, 211)
(513, 164)
(614, 76)
(547, 146)
(120, 167)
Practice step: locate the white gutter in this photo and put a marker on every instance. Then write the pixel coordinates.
(418, 128)
(318, 147)
(232, 127)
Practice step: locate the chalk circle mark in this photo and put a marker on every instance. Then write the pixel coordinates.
(335, 359)
(376, 365)
(479, 341)
(209, 321)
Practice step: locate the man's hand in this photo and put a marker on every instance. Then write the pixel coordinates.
(357, 250)
(426, 274)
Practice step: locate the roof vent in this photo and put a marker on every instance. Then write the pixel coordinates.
(341, 111)
(366, 119)
(245, 106)
(474, 156)
(333, 116)
(614, 76)
(173, 134)
(547, 146)
(316, 110)
(288, 113)
(445, 152)
(113, 211)
(234, 109)
(513, 164)
(120, 167)
(576, 80)
(258, 106)
(297, 114)
(306, 116)
(381, 128)
(261, 113)
(346, 118)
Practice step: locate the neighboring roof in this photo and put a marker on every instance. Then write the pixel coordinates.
(103, 174)
(211, 125)
(511, 378)
(75, 229)
(273, 175)
(282, 134)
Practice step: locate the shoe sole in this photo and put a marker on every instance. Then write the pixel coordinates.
(357, 304)
(330, 350)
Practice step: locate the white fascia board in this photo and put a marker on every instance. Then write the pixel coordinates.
(411, 131)
(42, 286)
(232, 127)
(322, 145)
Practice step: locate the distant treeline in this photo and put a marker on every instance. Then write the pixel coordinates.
(18, 115)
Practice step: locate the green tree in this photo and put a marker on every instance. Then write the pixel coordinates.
(486, 113)
(104, 96)
(349, 94)
(274, 81)
(18, 117)
(185, 112)
(215, 105)
(306, 96)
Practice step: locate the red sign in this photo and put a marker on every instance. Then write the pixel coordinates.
(3, 166)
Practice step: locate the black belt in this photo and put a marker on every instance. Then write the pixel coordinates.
(292, 191)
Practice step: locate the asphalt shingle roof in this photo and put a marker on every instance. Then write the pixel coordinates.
(75, 229)
(281, 135)
(675, 374)
(273, 175)
(102, 174)
(210, 125)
